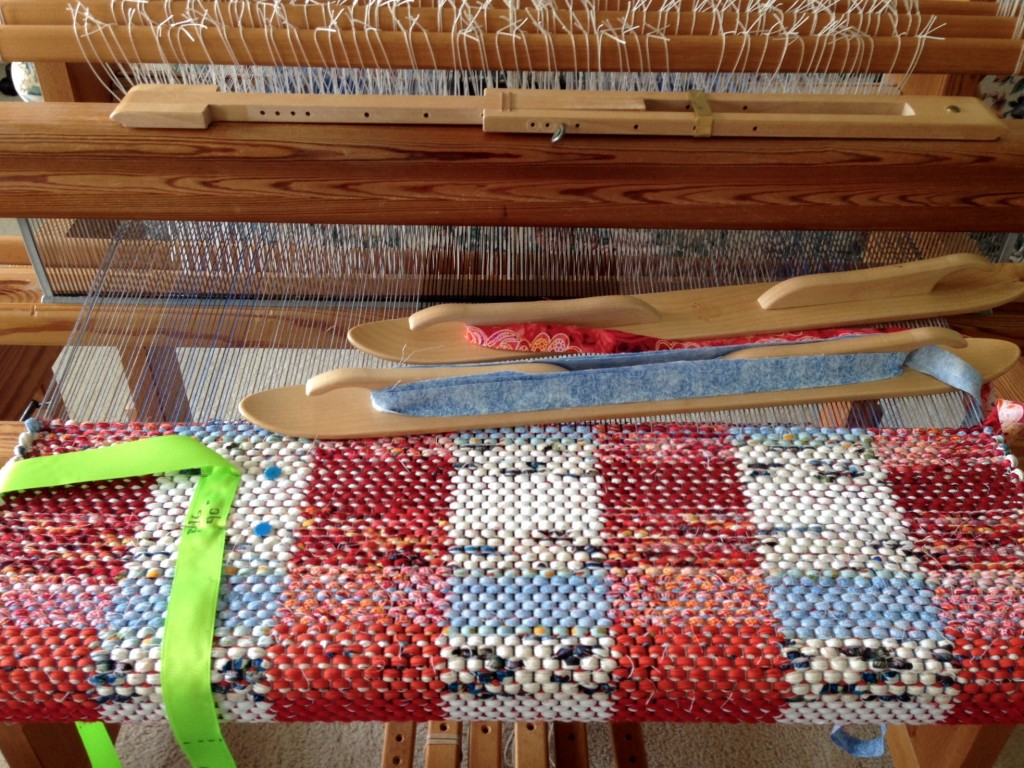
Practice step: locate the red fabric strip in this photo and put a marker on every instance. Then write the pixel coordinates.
(570, 339)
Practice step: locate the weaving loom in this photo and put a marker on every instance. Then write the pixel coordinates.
(291, 235)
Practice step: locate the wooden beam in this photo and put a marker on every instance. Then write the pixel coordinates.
(45, 745)
(399, 745)
(154, 378)
(71, 160)
(23, 318)
(444, 745)
(28, 371)
(12, 252)
(531, 745)
(485, 745)
(971, 22)
(628, 749)
(571, 749)
(26, 320)
(10, 431)
(61, 81)
(901, 747)
(947, 746)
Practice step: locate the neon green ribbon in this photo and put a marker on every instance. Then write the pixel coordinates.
(192, 605)
(99, 747)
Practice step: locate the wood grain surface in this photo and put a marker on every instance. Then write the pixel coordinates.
(399, 747)
(72, 160)
(972, 21)
(28, 370)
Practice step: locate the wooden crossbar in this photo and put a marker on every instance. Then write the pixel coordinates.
(974, 20)
(563, 113)
(71, 161)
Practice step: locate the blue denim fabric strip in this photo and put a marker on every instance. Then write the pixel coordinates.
(693, 376)
(857, 747)
(949, 369)
(511, 392)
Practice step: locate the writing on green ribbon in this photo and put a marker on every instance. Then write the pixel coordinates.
(192, 605)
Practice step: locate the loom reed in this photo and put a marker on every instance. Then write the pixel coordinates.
(285, 297)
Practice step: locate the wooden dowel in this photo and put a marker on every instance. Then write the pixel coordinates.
(529, 52)
(491, 21)
(59, 11)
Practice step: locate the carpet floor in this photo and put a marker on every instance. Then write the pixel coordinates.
(357, 745)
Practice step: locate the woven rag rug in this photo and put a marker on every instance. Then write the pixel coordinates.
(655, 572)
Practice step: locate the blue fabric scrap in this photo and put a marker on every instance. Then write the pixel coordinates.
(642, 377)
(856, 747)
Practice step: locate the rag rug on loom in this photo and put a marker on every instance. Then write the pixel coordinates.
(582, 572)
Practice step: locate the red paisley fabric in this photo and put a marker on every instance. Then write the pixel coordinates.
(569, 339)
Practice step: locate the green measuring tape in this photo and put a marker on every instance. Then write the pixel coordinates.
(192, 605)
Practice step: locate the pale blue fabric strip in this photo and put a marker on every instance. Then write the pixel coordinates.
(857, 747)
(647, 377)
(951, 370)
(511, 392)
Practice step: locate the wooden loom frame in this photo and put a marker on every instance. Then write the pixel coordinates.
(931, 747)
(54, 745)
(64, 160)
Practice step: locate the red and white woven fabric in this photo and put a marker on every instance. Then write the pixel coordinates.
(577, 572)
